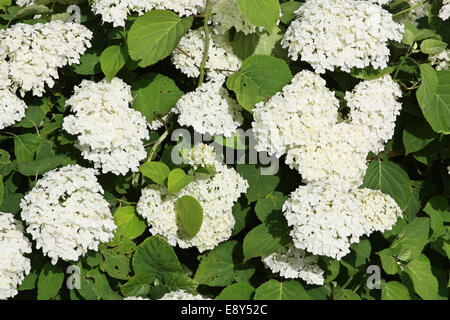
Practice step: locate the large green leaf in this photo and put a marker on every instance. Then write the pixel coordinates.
(155, 256)
(177, 180)
(259, 185)
(190, 213)
(154, 36)
(390, 178)
(25, 147)
(411, 240)
(417, 134)
(259, 78)
(128, 223)
(266, 239)
(41, 166)
(425, 283)
(112, 60)
(138, 286)
(433, 96)
(157, 171)
(155, 94)
(237, 291)
(394, 290)
(50, 281)
(287, 290)
(264, 13)
(219, 267)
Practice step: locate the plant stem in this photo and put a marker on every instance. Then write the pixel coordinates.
(411, 8)
(158, 142)
(206, 50)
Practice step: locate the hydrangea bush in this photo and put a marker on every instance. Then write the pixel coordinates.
(224, 149)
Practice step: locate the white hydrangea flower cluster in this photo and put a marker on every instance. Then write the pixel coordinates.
(116, 11)
(209, 109)
(216, 194)
(337, 155)
(341, 34)
(293, 263)
(188, 56)
(182, 295)
(379, 210)
(135, 298)
(325, 219)
(13, 264)
(12, 109)
(441, 61)
(374, 107)
(110, 133)
(293, 116)
(444, 13)
(66, 213)
(302, 121)
(35, 52)
(225, 14)
(417, 13)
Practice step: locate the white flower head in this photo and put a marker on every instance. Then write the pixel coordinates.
(293, 263)
(225, 14)
(66, 213)
(216, 194)
(12, 109)
(110, 133)
(444, 13)
(117, 11)
(380, 210)
(188, 56)
(295, 115)
(182, 295)
(13, 263)
(373, 106)
(341, 34)
(441, 61)
(209, 110)
(325, 219)
(35, 52)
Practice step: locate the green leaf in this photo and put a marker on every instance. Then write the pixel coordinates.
(178, 179)
(259, 185)
(138, 286)
(95, 286)
(154, 35)
(433, 96)
(117, 256)
(155, 94)
(41, 166)
(425, 283)
(128, 223)
(262, 13)
(237, 291)
(432, 47)
(288, 11)
(259, 78)
(345, 294)
(332, 269)
(266, 239)
(190, 213)
(413, 34)
(241, 215)
(157, 171)
(417, 134)
(50, 281)
(391, 179)
(411, 240)
(2, 190)
(287, 290)
(174, 281)
(112, 60)
(33, 117)
(394, 290)
(155, 256)
(388, 261)
(217, 268)
(369, 73)
(31, 10)
(272, 202)
(89, 64)
(25, 147)
(438, 210)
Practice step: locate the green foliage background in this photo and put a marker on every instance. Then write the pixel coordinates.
(413, 256)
